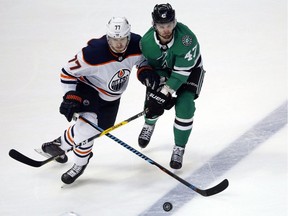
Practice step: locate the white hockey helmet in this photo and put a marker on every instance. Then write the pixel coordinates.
(118, 27)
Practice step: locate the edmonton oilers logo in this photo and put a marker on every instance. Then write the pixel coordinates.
(119, 80)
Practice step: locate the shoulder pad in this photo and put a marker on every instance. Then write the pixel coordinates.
(97, 51)
(133, 47)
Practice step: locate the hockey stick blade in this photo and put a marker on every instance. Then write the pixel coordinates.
(26, 160)
(214, 190)
(204, 192)
(34, 163)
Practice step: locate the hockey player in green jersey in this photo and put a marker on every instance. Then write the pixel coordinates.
(172, 50)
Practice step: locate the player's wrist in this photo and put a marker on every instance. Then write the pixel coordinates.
(166, 90)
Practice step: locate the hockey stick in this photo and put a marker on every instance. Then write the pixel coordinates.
(34, 163)
(204, 192)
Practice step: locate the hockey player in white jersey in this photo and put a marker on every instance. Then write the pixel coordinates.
(93, 82)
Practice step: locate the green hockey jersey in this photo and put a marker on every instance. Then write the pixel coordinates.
(175, 59)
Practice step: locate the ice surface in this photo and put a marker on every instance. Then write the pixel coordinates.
(244, 47)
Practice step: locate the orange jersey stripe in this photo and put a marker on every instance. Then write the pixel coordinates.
(67, 77)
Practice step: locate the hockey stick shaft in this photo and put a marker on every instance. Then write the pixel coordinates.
(208, 192)
(104, 132)
(26, 160)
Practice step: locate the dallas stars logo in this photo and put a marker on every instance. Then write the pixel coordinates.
(187, 40)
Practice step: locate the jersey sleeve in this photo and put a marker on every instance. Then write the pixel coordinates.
(142, 63)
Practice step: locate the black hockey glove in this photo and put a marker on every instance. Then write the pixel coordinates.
(72, 102)
(149, 78)
(156, 103)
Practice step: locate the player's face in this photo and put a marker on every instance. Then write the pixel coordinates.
(118, 45)
(165, 31)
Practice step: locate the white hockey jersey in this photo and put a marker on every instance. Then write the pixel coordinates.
(97, 66)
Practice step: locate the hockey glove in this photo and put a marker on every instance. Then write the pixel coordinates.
(156, 103)
(149, 78)
(72, 102)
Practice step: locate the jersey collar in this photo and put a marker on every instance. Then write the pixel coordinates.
(166, 46)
